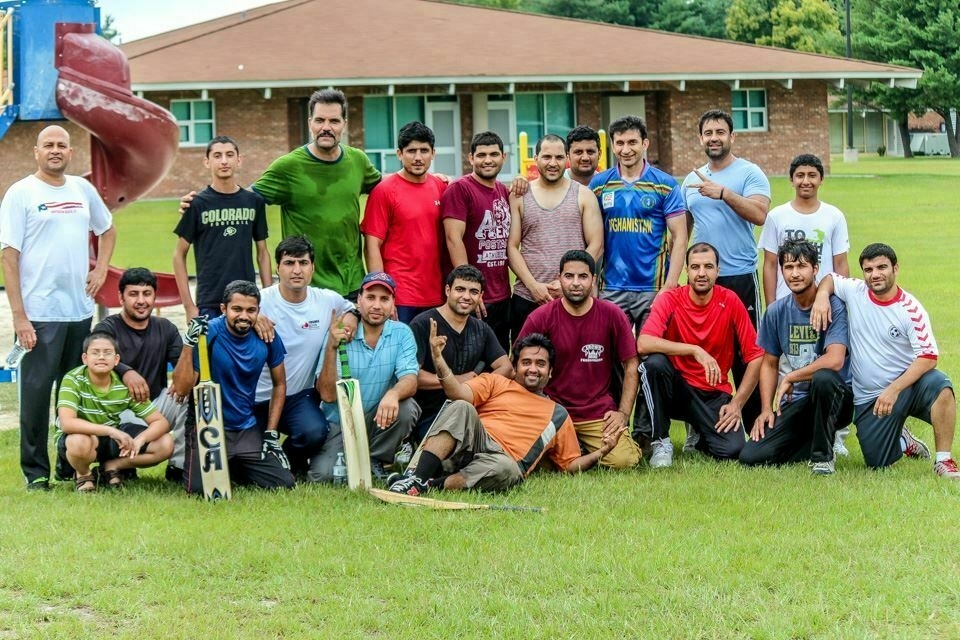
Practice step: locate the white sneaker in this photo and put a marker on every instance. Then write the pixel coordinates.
(693, 438)
(840, 449)
(946, 469)
(662, 455)
(822, 468)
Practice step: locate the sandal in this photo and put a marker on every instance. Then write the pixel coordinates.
(85, 484)
(112, 478)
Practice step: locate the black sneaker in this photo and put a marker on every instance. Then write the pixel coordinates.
(410, 485)
(396, 477)
(174, 474)
(378, 473)
(39, 484)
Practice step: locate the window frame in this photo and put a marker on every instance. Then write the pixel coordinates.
(192, 122)
(748, 110)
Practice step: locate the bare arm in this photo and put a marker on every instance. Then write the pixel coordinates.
(631, 383)
(650, 344)
(157, 426)
(106, 243)
(371, 253)
(263, 264)
(592, 221)
(539, 290)
(454, 389)
(278, 396)
(453, 231)
(770, 268)
(677, 225)
(183, 280)
(184, 377)
(840, 264)
(752, 209)
(22, 326)
(503, 367)
(591, 459)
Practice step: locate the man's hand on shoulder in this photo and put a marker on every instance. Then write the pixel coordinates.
(137, 386)
(186, 200)
(265, 328)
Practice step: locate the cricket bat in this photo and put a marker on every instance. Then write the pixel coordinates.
(419, 501)
(353, 427)
(210, 440)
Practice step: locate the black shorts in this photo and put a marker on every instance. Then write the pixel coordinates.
(107, 448)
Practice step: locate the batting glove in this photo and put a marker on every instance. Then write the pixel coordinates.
(196, 328)
(271, 445)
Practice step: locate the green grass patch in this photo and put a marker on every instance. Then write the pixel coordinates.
(700, 550)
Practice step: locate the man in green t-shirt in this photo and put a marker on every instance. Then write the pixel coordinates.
(89, 405)
(318, 187)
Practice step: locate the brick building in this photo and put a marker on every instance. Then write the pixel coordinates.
(463, 69)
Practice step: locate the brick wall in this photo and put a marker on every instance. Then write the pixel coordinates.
(797, 124)
(266, 128)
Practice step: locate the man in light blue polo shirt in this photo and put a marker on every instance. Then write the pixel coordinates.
(383, 358)
(725, 198)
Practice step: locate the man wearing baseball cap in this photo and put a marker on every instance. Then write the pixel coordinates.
(383, 359)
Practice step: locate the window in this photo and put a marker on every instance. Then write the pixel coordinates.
(196, 121)
(382, 118)
(750, 110)
(541, 113)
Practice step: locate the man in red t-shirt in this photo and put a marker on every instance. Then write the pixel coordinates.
(592, 337)
(690, 339)
(401, 225)
(476, 219)
(496, 430)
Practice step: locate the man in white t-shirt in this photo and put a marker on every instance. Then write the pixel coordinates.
(301, 315)
(893, 360)
(45, 221)
(805, 217)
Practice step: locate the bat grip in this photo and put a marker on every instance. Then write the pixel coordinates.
(344, 361)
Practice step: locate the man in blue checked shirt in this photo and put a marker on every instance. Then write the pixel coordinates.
(383, 358)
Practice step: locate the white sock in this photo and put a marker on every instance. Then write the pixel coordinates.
(943, 455)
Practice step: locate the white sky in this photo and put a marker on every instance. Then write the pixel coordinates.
(136, 19)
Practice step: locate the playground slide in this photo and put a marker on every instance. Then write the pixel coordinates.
(133, 142)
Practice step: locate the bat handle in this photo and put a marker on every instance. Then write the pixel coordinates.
(344, 360)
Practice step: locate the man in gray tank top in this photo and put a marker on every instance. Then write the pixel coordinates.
(556, 215)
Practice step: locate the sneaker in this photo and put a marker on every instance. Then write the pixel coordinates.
(693, 439)
(947, 469)
(662, 455)
(912, 447)
(824, 468)
(378, 473)
(395, 477)
(409, 485)
(43, 484)
(404, 454)
(840, 449)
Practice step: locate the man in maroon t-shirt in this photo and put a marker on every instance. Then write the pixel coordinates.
(476, 219)
(591, 336)
(690, 338)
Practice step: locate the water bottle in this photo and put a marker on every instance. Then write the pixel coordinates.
(403, 456)
(340, 471)
(16, 355)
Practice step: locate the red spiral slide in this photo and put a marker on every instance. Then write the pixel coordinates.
(133, 142)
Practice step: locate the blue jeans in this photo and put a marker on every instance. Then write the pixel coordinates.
(302, 421)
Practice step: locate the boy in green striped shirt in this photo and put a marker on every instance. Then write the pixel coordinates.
(89, 404)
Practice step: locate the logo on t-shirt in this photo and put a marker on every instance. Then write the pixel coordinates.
(592, 353)
(492, 235)
(311, 325)
(799, 235)
(894, 333)
(59, 207)
(229, 231)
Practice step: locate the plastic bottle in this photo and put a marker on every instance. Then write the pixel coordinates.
(403, 456)
(340, 471)
(16, 355)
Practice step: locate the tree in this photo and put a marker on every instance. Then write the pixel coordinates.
(692, 17)
(921, 34)
(802, 25)
(610, 11)
(108, 30)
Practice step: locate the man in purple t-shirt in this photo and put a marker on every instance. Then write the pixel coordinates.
(591, 337)
(476, 220)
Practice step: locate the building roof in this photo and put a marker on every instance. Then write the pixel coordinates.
(415, 42)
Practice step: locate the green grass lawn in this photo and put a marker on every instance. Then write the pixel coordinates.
(700, 550)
